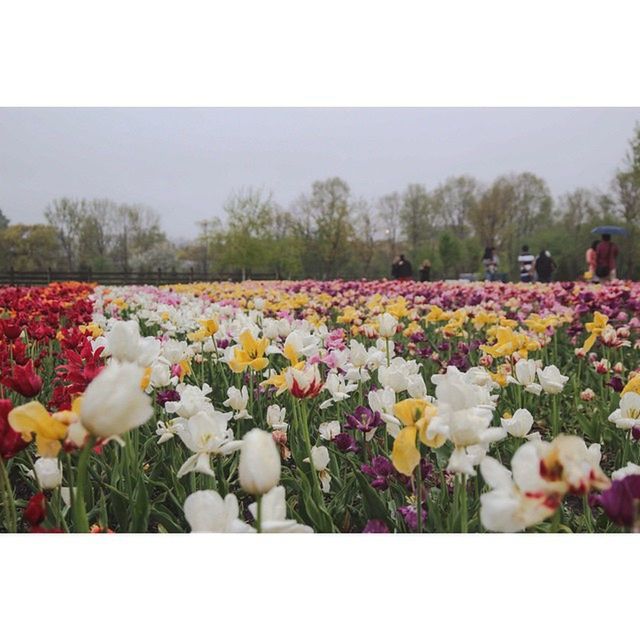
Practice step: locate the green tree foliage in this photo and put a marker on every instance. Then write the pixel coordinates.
(26, 247)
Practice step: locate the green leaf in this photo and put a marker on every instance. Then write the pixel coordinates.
(141, 508)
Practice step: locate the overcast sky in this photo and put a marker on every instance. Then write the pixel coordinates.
(184, 163)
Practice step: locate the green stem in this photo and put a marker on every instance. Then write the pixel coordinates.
(463, 504)
(80, 514)
(7, 499)
(419, 493)
(587, 513)
(307, 440)
(555, 426)
(259, 515)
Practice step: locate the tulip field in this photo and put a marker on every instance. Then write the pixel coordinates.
(315, 406)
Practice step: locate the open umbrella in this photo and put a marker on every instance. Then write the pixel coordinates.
(610, 229)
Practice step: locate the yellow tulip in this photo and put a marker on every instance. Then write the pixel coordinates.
(33, 418)
(595, 329)
(415, 415)
(207, 329)
(633, 386)
(250, 353)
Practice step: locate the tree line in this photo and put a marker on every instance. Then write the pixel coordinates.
(329, 232)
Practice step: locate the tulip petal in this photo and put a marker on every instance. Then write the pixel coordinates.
(405, 455)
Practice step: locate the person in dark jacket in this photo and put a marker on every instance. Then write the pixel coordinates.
(425, 271)
(394, 267)
(544, 266)
(405, 269)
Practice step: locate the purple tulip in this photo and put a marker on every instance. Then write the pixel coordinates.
(346, 442)
(621, 501)
(616, 384)
(380, 470)
(363, 419)
(410, 516)
(170, 395)
(375, 526)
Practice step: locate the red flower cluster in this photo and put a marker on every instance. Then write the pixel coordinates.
(30, 320)
(82, 366)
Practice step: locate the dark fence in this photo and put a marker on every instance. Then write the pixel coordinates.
(28, 278)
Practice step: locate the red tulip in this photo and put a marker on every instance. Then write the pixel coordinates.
(35, 511)
(11, 330)
(11, 441)
(24, 380)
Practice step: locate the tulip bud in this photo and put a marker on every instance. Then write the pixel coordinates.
(48, 472)
(114, 403)
(36, 510)
(387, 325)
(587, 395)
(259, 468)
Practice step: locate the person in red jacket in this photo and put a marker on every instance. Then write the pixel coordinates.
(606, 256)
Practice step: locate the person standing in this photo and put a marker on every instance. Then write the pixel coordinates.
(394, 267)
(525, 263)
(544, 266)
(490, 262)
(591, 258)
(425, 271)
(606, 257)
(404, 269)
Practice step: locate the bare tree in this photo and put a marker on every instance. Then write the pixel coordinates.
(66, 216)
(415, 216)
(389, 211)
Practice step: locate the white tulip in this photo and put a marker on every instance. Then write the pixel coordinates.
(274, 514)
(160, 374)
(338, 388)
(525, 371)
(506, 508)
(358, 354)
(276, 417)
(627, 415)
(123, 340)
(387, 325)
(237, 400)
(320, 460)
(48, 472)
(399, 375)
(114, 403)
(551, 379)
(259, 468)
(329, 430)
(630, 470)
(416, 387)
(519, 424)
(206, 434)
(382, 401)
(193, 400)
(207, 512)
